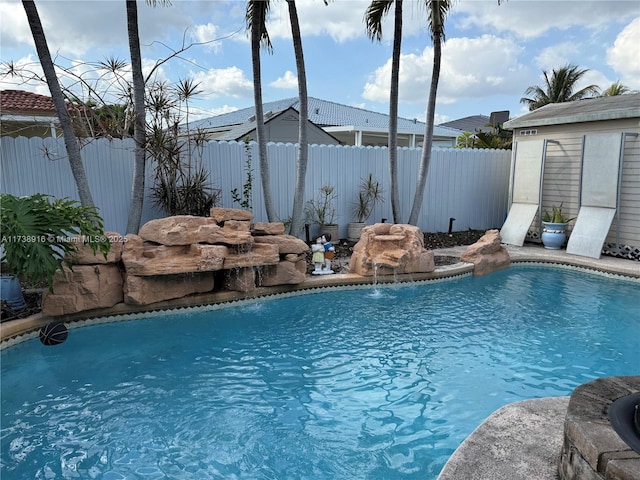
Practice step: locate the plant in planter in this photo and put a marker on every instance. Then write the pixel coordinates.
(321, 211)
(554, 228)
(369, 195)
(37, 233)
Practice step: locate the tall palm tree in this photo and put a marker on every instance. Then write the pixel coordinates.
(437, 11)
(256, 22)
(374, 15)
(558, 88)
(616, 88)
(303, 149)
(139, 124)
(70, 140)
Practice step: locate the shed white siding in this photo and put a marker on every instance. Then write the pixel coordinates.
(561, 176)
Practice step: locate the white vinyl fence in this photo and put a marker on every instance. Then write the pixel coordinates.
(469, 185)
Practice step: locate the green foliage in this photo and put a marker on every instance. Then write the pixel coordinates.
(369, 196)
(181, 184)
(616, 88)
(185, 193)
(111, 121)
(560, 86)
(245, 201)
(499, 139)
(321, 210)
(36, 233)
(556, 215)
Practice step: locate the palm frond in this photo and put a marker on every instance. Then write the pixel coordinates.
(373, 16)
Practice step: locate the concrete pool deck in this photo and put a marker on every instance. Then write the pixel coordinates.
(520, 441)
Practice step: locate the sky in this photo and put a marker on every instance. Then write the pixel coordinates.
(491, 54)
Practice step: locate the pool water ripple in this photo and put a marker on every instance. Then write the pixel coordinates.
(339, 385)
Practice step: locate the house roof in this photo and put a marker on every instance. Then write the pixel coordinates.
(324, 114)
(237, 132)
(473, 123)
(29, 103)
(587, 110)
(19, 100)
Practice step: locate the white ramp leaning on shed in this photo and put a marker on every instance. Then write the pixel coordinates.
(600, 178)
(527, 178)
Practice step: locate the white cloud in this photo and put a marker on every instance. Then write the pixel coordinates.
(208, 34)
(624, 55)
(197, 114)
(471, 68)
(229, 82)
(341, 21)
(556, 56)
(20, 75)
(287, 81)
(149, 65)
(531, 19)
(15, 29)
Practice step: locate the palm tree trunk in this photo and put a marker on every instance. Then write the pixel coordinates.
(303, 148)
(139, 134)
(425, 158)
(70, 140)
(393, 115)
(256, 26)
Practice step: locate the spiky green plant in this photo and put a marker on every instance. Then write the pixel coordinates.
(369, 196)
(321, 210)
(556, 215)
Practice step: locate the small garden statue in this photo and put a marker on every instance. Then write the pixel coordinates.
(329, 254)
(318, 255)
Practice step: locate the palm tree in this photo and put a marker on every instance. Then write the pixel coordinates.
(373, 19)
(139, 124)
(70, 140)
(559, 87)
(256, 22)
(616, 88)
(437, 11)
(303, 150)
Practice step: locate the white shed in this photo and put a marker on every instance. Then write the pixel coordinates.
(585, 156)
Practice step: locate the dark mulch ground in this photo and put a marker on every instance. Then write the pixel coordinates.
(33, 297)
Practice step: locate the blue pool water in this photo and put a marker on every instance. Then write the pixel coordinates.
(348, 384)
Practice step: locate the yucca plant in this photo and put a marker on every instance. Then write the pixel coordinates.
(369, 196)
(556, 215)
(37, 231)
(321, 210)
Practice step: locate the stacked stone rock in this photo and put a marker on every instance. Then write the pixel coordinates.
(391, 249)
(94, 282)
(487, 254)
(178, 256)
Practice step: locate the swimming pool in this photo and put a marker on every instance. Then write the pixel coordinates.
(345, 384)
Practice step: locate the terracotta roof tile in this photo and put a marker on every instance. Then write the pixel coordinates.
(25, 101)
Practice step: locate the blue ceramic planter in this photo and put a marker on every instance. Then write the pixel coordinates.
(553, 235)
(11, 292)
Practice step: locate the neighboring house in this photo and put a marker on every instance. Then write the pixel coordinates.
(329, 123)
(28, 114)
(479, 123)
(585, 156)
(472, 124)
